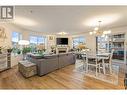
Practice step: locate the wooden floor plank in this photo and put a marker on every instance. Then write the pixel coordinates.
(64, 78)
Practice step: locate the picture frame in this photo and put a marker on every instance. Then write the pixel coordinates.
(51, 38)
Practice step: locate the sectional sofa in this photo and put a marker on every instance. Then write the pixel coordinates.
(49, 63)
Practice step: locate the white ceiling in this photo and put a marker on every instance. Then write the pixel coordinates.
(70, 19)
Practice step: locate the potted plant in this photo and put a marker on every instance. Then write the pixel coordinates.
(18, 51)
(25, 50)
(53, 47)
(9, 50)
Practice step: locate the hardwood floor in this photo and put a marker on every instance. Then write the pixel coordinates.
(64, 78)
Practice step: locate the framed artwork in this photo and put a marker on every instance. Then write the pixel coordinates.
(50, 37)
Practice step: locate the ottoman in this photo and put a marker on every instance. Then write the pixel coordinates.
(27, 69)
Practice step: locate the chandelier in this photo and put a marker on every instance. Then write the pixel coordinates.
(98, 31)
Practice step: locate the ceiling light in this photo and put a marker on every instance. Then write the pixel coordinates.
(96, 28)
(91, 33)
(98, 31)
(62, 33)
(102, 35)
(109, 31)
(105, 32)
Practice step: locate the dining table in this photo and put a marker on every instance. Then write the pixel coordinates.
(99, 56)
(103, 57)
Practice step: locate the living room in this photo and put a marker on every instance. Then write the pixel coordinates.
(55, 44)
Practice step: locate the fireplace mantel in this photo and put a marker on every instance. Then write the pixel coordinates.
(62, 49)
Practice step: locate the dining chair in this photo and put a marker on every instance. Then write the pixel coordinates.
(92, 60)
(83, 55)
(108, 62)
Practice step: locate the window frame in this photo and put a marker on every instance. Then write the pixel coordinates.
(78, 40)
(37, 36)
(19, 38)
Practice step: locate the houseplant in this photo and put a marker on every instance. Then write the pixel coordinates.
(25, 51)
(16, 50)
(9, 49)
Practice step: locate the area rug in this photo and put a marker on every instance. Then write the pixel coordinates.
(109, 78)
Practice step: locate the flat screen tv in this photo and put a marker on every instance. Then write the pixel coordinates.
(62, 41)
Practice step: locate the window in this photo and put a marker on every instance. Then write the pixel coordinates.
(35, 40)
(16, 36)
(102, 43)
(77, 41)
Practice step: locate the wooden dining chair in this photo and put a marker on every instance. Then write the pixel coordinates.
(108, 62)
(83, 55)
(92, 61)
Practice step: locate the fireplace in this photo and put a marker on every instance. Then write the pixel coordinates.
(62, 49)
